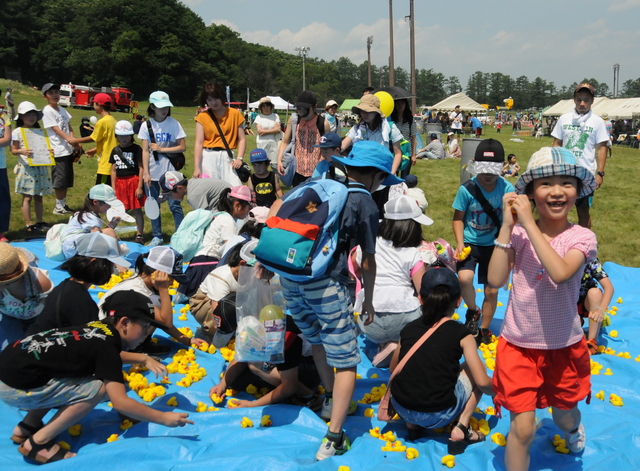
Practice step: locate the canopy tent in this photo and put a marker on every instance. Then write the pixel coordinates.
(278, 103)
(348, 104)
(621, 108)
(466, 103)
(565, 106)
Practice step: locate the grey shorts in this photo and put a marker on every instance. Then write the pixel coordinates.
(62, 172)
(386, 326)
(58, 392)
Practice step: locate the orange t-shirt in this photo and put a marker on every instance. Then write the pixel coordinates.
(229, 124)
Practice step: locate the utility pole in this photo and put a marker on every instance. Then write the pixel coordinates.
(303, 52)
(392, 73)
(413, 55)
(369, 43)
(616, 79)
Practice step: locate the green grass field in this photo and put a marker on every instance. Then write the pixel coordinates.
(615, 212)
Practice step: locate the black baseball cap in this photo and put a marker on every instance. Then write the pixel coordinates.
(439, 276)
(129, 303)
(306, 99)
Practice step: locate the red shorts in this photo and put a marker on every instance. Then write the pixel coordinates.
(126, 192)
(527, 379)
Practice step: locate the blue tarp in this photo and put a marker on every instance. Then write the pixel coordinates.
(217, 439)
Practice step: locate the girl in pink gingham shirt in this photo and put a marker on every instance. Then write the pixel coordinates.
(542, 357)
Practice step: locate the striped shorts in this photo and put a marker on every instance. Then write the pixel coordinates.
(322, 311)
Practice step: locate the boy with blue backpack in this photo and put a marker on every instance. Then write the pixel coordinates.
(307, 242)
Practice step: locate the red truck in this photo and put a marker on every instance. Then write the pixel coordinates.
(81, 96)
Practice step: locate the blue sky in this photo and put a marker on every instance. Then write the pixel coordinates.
(561, 40)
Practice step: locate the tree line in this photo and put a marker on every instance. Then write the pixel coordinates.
(162, 44)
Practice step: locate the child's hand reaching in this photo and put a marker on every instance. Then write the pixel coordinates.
(155, 367)
(219, 390)
(240, 403)
(176, 419)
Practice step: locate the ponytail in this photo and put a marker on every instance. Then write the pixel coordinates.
(226, 201)
(142, 267)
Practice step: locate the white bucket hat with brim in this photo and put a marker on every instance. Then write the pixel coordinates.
(25, 107)
(552, 161)
(369, 104)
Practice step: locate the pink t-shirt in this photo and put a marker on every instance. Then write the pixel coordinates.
(542, 314)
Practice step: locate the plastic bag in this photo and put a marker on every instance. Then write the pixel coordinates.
(261, 319)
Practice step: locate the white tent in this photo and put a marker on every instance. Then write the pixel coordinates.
(565, 106)
(621, 108)
(466, 104)
(278, 103)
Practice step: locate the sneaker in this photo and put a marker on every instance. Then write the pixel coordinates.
(484, 336)
(68, 209)
(59, 211)
(139, 239)
(329, 448)
(593, 346)
(155, 242)
(327, 407)
(472, 319)
(576, 440)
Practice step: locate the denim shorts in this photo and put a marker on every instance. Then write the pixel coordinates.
(321, 309)
(58, 392)
(443, 418)
(386, 326)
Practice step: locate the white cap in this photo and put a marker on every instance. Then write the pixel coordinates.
(99, 245)
(165, 259)
(25, 107)
(124, 128)
(405, 207)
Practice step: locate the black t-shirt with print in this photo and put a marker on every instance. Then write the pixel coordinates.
(76, 307)
(130, 162)
(91, 349)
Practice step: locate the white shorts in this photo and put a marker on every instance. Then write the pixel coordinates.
(217, 164)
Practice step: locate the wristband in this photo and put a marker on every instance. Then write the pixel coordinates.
(599, 309)
(501, 245)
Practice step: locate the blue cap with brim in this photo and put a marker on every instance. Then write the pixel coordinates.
(371, 154)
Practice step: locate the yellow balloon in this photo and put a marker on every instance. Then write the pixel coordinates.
(386, 102)
(271, 312)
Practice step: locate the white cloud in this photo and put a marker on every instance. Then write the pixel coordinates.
(623, 5)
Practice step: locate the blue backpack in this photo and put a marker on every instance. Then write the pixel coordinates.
(300, 241)
(187, 240)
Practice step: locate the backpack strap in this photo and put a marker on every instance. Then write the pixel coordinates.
(476, 192)
(123, 159)
(152, 140)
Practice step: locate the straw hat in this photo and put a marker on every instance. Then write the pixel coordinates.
(13, 263)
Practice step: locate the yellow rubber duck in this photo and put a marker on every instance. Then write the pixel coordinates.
(449, 461)
(232, 404)
(619, 301)
(216, 399)
(608, 372)
(389, 436)
(498, 439)
(490, 410)
(265, 421)
(369, 412)
(230, 392)
(464, 254)
(344, 468)
(64, 445)
(375, 432)
(172, 402)
(126, 424)
(75, 430)
(212, 349)
(212, 409)
(251, 389)
(112, 438)
(182, 317)
(246, 422)
(613, 334)
(616, 400)
(455, 316)
(201, 407)
(600, 395)
(412, 453)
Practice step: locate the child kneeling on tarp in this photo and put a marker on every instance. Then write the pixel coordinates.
(73, 369)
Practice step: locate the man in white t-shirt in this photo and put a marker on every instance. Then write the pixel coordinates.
(584, 134)
(57, 121)
(455, 118)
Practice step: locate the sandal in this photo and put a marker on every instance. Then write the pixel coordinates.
(455, 447)
(20, 439)
(593, 346)
(139, 239)
(32, 455)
